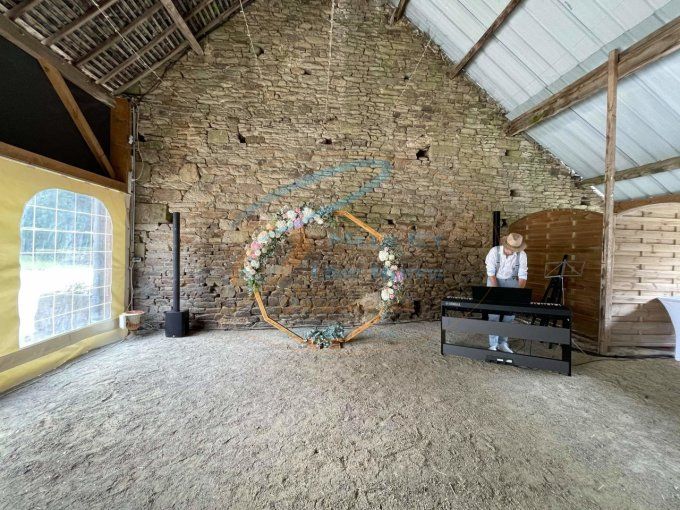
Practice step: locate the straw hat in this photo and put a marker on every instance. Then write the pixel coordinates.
(514, 242)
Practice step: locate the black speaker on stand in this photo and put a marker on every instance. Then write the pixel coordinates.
(176, 320)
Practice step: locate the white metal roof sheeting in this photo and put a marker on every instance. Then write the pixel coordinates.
(547, 44)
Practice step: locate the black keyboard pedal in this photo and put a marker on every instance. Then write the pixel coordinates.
(499, 360)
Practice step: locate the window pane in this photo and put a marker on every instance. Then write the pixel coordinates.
(27, 217)
(67, 200)
(66, 264)
(44, 218)
(66, 220)
(48, 198)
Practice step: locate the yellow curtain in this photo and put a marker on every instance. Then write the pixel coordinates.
(20, 182)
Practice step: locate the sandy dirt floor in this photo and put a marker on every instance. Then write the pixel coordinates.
(247, 420)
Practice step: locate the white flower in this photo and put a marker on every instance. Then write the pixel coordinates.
(389, 283)
(249, 270)
(255, 264)
(394, 268)
(257, 253)
(391, 257)
(272, 234)
(387, 263)
(291, 215)
(281, 224)
(385, 295)
(382, 255)
(319, 220)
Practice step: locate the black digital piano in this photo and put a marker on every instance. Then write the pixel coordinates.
(543, 322)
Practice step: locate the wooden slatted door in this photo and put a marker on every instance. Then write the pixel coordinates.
(646, 266)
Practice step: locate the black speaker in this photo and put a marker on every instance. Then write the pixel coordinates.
(176, 320)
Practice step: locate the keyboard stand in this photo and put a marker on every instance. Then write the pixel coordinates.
(532, 332)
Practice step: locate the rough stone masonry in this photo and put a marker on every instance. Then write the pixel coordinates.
(232, 137)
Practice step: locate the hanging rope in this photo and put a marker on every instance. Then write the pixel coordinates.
(410, 76)
(330, 57)
(127, 42)
(250, 39)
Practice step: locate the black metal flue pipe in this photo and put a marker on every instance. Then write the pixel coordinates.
(175, 262)
(496, 228)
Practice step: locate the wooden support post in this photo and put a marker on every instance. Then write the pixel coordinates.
(502, 17)
(609, 220)
(182, 25)
(77, 116)
(121, 119)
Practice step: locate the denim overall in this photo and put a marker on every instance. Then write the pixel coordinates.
(513, 281)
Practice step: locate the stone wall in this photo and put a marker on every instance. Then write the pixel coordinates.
(231, 138)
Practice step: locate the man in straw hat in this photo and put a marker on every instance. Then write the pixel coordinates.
(506, 266)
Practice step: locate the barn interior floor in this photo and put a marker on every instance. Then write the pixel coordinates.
(247, 420)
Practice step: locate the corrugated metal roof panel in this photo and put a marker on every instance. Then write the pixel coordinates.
(546, 45)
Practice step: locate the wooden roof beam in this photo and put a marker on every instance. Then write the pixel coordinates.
(31, 158)
(182, 25)
(656, 45)
(74, 25)
(115, 38)
(138, 55)
(64, 93)
(479, 45)
(21, 8)
(176, 52)
(19, 37)
(638, 171)
(398, 12)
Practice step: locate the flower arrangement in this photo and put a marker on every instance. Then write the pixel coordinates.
(265, 242)
(324, 337)
(393, 289)
(276, 231)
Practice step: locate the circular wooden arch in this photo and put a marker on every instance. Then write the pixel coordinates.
(352, 334)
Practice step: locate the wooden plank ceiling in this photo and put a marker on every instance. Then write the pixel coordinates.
(116, 43)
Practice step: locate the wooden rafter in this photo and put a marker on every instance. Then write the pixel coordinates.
(625, 205)
(78, 22)
(656, 45)
(115, 38)
(18, 36)
(21, 8)
(137, 55)
(64, 93)
(609, 220)
(638, 171)
(182, 25)
(488, 34)
(31, 158)
(398, 12)
(175, 53)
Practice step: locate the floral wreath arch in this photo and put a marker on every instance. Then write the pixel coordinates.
(276, 233)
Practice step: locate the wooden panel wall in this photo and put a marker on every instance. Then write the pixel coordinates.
(646, 266)
(552, 234)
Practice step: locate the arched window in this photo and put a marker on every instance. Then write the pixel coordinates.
(66, 241)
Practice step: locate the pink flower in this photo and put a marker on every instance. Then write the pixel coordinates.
(297, 223)
(398, 276)
(255, 246)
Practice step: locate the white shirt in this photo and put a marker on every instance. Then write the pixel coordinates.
(507, 265)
